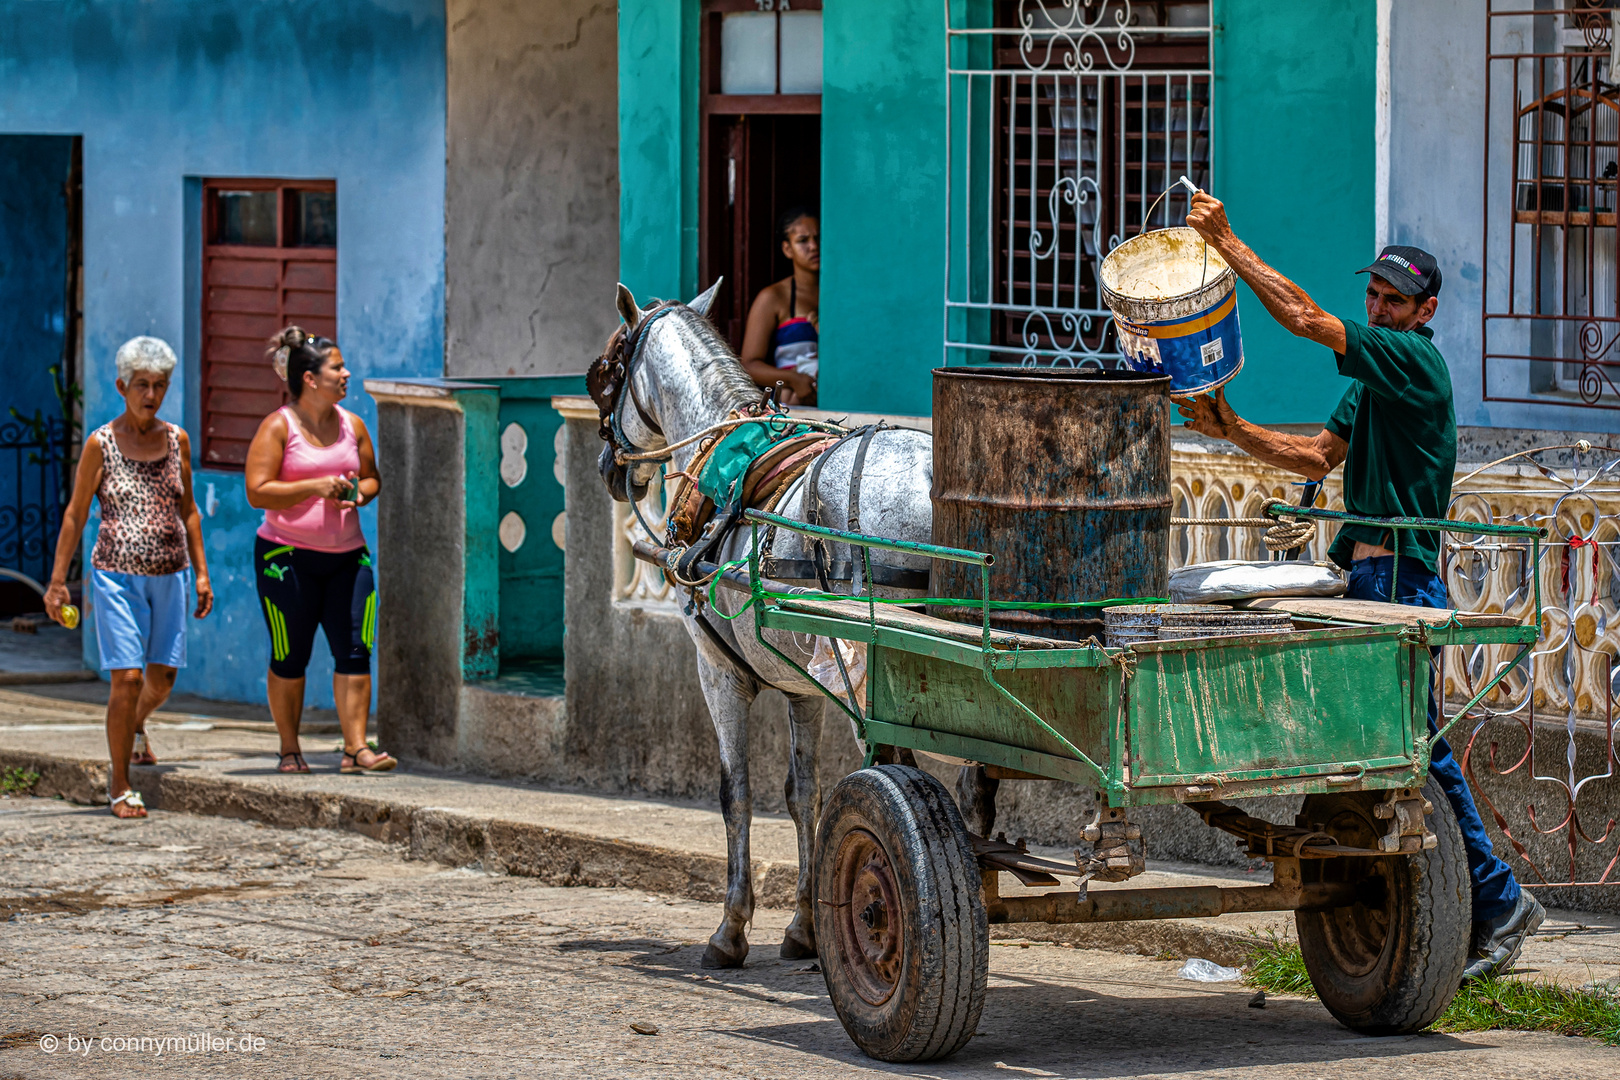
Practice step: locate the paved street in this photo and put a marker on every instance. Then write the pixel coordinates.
(347, 960)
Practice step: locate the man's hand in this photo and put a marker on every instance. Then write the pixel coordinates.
(1208, 218)
(1208, 414)
(205, 598)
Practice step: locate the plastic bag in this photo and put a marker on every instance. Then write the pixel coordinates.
(823, 667)
(1234, 579)
(1200, 970)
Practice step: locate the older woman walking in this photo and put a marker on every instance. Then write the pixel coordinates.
(310, 468)
(149, 542)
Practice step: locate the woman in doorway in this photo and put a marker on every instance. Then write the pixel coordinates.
(779, 344)
(310, 468)
(150, 540)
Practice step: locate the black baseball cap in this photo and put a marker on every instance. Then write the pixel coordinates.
(1411, 270)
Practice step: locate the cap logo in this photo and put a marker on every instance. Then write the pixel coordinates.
(1403, 264)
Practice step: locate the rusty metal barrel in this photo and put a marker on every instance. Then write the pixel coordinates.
(1062, 475)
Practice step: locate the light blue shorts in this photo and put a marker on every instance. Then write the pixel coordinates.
(140, 618)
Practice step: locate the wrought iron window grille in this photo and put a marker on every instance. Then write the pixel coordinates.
(1551, 292)
(1065, 120)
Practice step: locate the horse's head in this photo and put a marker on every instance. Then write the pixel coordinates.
(630, 423)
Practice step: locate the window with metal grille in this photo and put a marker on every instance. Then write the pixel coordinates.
(1551, 311)
(269, 260)
(1066, 122)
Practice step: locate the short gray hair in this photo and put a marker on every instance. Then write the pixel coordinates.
(145, 354)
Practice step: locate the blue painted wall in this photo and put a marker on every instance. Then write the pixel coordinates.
(168, 91)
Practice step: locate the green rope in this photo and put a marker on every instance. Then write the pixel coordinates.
(947, 601)
(714, 583)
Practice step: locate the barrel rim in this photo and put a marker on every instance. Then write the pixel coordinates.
(1122, 376)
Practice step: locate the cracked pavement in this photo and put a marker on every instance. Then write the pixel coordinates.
(348, 960)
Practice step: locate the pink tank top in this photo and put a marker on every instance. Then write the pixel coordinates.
(316, 524)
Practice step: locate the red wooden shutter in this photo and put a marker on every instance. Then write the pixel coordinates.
(250, 292)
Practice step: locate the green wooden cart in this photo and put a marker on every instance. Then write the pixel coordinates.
(1335, 710)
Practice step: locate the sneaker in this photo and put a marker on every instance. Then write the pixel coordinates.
(1498, 942)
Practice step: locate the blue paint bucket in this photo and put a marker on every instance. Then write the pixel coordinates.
(1175, 308)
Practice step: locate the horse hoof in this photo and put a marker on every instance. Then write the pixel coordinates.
(797, 948)
(715, 956)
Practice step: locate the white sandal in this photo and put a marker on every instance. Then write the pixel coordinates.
(131, 799)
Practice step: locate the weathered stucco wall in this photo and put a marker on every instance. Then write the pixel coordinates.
(532, 192)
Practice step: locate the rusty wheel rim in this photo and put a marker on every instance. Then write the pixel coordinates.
(1357, 936)
(868, 917)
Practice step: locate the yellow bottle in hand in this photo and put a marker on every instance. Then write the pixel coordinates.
(70, 616)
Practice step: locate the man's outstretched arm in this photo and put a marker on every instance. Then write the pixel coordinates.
(1288, 303)
(1312, 457)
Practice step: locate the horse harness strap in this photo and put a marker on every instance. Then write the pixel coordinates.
(729, 474)
(820, 558)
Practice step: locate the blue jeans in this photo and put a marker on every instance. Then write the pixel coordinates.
(1495, 891)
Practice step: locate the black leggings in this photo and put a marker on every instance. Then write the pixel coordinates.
(300, 589)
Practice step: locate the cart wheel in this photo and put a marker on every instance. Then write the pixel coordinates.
(1389, 964)
(905, 946)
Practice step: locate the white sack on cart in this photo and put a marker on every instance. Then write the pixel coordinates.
(823, 668)
(1234, 579)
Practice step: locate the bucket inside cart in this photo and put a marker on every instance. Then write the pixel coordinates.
(1174, 301)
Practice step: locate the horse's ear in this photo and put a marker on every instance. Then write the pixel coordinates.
(703, 301)
(628, 311)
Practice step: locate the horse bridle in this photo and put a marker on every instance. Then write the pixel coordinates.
(614, 372)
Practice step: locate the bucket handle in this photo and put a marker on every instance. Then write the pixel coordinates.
(1192, 189)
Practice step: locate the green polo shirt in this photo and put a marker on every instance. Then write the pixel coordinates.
(1402, 430)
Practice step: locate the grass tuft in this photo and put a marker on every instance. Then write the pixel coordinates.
(18, 781)
(1277, 967)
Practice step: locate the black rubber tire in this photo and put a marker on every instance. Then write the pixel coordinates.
(911, 987)
(1391, 963)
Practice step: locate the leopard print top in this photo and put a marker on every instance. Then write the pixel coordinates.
(141, 531)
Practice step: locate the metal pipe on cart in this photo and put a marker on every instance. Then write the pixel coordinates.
(734, 579)
(1287, 892)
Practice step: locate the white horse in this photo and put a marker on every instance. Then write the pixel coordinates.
(666, 376)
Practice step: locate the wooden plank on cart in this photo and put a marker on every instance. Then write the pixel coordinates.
(903, 619)
(1373, 612)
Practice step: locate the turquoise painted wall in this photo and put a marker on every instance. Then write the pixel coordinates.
(658, 147)
(531, 578)
(882, 204)
(1294, 163)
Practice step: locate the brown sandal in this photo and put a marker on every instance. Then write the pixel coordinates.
(299, 765)
(350, 761)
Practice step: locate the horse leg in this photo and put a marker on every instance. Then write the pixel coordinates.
(729, 696)
(803, 791)
(976, 798)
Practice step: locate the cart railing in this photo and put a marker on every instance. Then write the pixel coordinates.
(1398, 525)
(989, 655)
(991, 658)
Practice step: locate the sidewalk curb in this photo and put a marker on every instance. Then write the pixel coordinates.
(552, 856)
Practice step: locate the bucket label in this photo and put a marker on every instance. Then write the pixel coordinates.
(1199, 352)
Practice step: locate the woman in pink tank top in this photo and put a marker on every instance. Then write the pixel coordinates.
(310, 468)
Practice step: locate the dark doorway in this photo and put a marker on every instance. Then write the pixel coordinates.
(760, 165)
(41, 297)
(761, 144)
